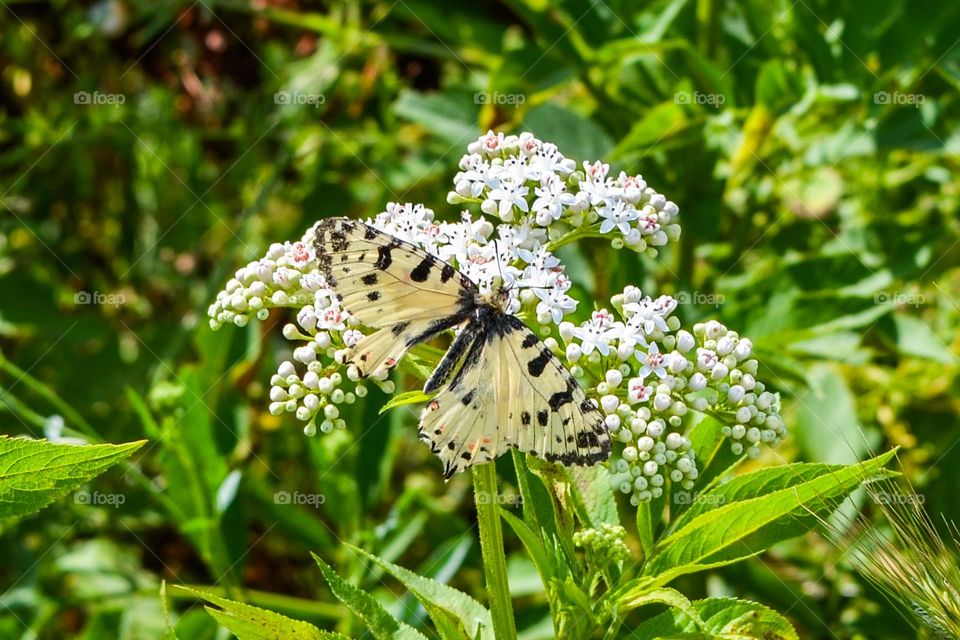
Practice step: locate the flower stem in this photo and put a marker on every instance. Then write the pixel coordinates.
(491, 548)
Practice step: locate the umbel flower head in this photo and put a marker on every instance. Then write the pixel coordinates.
(637, 364)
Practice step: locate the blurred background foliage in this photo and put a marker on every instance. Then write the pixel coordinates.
(812, 146)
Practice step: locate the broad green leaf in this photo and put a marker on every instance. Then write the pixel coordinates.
(593, 496)
(252, 623)
(640, 596)
(34, 473)
(738, 530)
(756, 484)
(537, 508)
(380, 623)
(446, 605)
(722, 619)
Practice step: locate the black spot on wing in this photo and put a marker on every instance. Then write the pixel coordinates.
(587, 440)
(421, 272)
(468, 396)
(370, 278)
(373, 296)
(530, 340)
(399, 328)
(384, 259)
(542, 417)
(369, 233)
(447, 272)
(560, 398)
(538, 364)
(525, 418)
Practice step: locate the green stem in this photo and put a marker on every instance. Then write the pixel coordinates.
(491, 548)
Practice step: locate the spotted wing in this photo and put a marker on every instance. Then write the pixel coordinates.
(390, 285)
(511, 391)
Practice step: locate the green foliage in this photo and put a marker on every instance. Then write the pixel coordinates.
(812, 149)
(35, 473)
(252, 623)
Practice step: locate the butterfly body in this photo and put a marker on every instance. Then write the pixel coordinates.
(497, 387)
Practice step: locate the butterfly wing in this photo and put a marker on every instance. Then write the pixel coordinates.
(393, 286)
(511, 391)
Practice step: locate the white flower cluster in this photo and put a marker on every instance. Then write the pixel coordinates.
(287, 276)
(649, 373)
(636, 362)
(521, 178)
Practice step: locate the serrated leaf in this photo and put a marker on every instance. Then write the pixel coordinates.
(735, 531)
(252, 623)
(722, 618)
(34, 473)
(381, 624)
(755, 484)
(443, 603)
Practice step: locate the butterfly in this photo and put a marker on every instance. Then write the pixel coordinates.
(498, 386)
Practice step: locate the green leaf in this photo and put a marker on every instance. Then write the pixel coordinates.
(381, 624)
(252, 623)
(722, 619)
(593, 496)
(404, 399)
(452, 117)
(641, 595)
(828, 429)
(446, 606)
(579, 137)
(916, 338)
(744, 528)
(756, 485)
(711, 449)
(34, 473)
